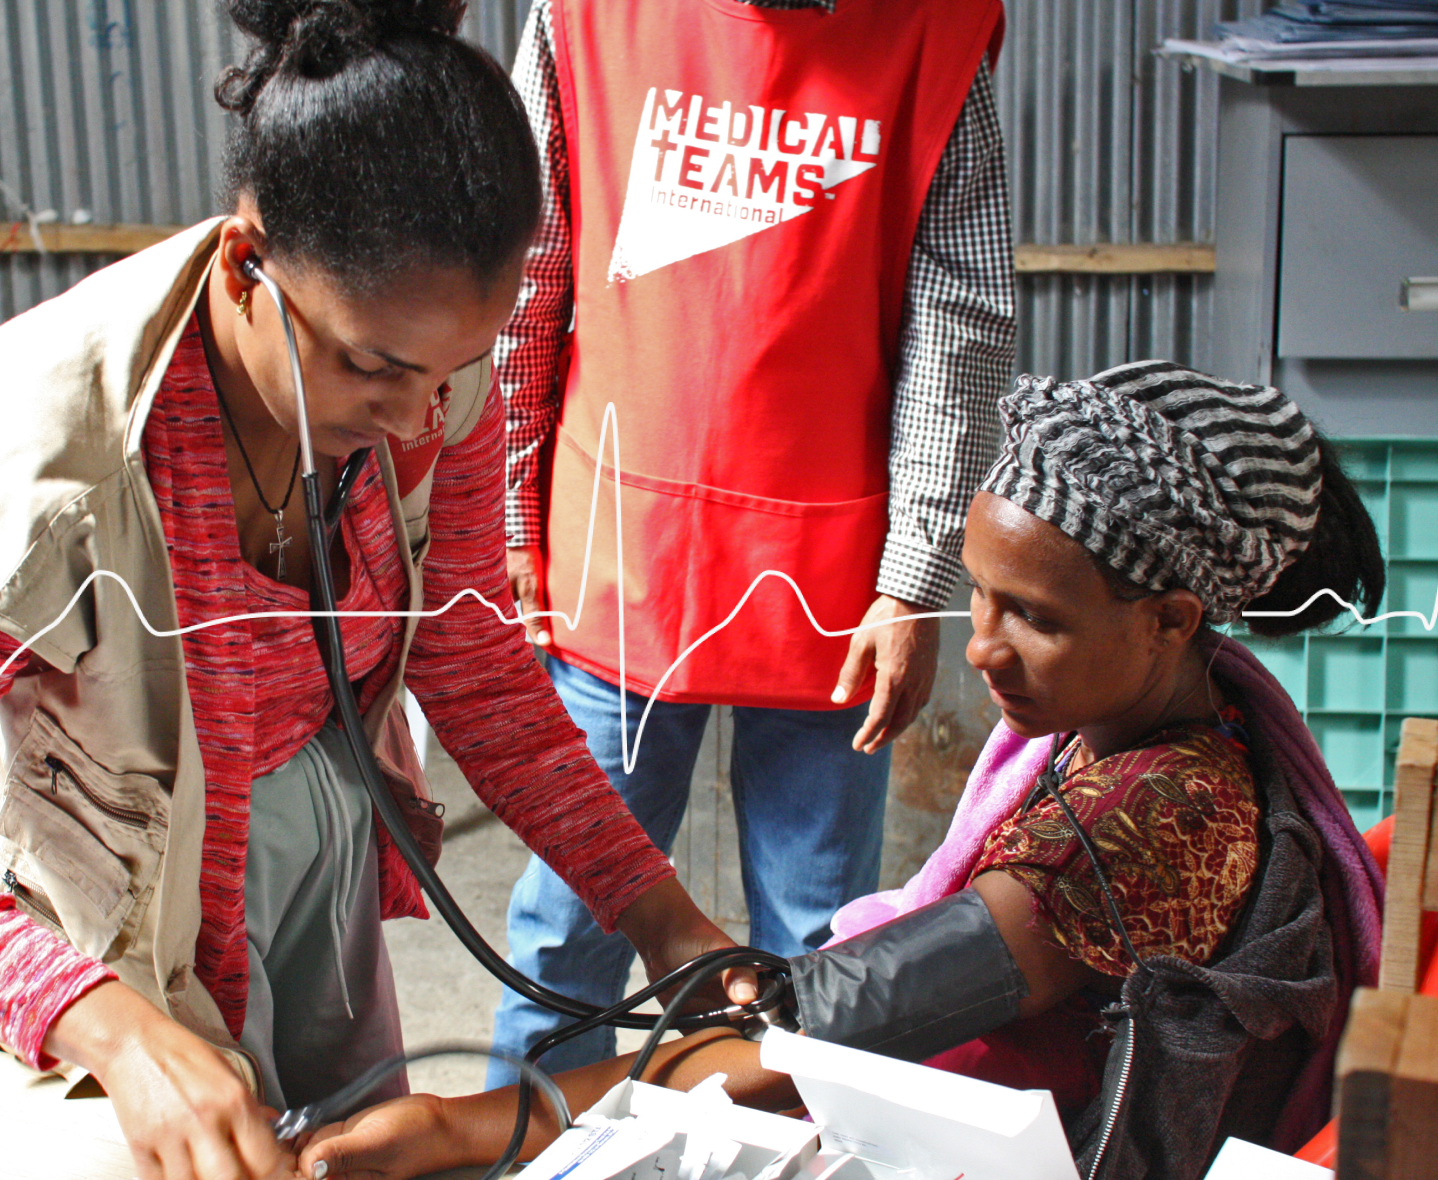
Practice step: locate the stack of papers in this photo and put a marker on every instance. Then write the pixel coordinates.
(1319, 30)
(1241, 51)
(1382, 28)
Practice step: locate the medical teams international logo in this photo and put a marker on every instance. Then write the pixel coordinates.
(708, 173)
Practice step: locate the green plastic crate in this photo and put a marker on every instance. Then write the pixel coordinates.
(1355, 686)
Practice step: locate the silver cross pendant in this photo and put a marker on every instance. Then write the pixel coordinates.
(280, 544)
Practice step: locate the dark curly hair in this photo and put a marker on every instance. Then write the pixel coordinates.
(375, 142)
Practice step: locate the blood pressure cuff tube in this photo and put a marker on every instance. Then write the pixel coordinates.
(915, 986)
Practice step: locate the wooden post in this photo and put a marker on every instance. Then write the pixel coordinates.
(1413, 1111)
(1366, 1060)
(1387, 1070)
(1410, 881)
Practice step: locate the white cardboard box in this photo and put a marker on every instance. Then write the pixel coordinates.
(643, 1132)
(875, 1118)
(900, 1117)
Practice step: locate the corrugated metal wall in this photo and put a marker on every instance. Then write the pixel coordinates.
(106, 109)
(105, 106)
(1108, 143)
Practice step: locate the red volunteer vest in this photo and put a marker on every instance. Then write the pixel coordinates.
(745, 186)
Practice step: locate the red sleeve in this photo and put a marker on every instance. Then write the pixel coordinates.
(40, 975)
(493, 707)
(8, 647)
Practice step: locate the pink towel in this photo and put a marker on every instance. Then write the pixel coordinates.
(1005, 772)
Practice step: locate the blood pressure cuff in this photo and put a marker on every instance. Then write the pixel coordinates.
(915, 986)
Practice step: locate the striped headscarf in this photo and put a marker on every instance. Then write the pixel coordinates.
(1171, 477)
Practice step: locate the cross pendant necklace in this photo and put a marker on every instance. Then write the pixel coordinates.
(280, 544)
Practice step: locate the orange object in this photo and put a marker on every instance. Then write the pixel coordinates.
(1379, 839)
(1322, 1149)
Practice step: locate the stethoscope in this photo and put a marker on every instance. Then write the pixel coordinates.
(322, 520)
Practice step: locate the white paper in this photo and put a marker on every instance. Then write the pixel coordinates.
(1247, 1161)
(896, 1116)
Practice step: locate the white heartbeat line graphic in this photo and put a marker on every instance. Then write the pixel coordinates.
(610, 427)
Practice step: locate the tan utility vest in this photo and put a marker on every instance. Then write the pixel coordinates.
(106, 851)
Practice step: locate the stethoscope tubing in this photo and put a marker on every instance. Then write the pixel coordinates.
(302, 409)
(321, 522)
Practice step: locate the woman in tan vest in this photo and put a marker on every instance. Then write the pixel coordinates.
(193, 878)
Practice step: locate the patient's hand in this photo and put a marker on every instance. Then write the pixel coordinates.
(405, 1137)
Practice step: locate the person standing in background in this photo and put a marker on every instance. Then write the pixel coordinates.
(776, 239)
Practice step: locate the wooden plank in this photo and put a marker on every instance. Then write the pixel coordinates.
(1116, 259)
(1367, 1056)
(84, 239)
(1428, 728)
(1430, 873)
(1108, 258)
(1413, 1097)
(1408, 860)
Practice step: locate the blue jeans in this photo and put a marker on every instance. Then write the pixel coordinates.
(810, 812)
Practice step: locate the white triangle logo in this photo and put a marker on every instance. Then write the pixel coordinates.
(705, 175)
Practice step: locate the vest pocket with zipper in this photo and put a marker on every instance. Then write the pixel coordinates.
(79, 844)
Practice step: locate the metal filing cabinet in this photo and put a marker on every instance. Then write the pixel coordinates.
(1327, 201)
(1327, 223)
(1358, 235)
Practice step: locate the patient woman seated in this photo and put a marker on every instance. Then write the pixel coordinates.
(1129, 517)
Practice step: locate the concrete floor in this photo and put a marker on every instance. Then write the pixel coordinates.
(444, 994)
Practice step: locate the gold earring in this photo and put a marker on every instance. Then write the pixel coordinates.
(243, 306)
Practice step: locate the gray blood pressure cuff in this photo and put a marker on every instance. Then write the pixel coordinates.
(915, 986)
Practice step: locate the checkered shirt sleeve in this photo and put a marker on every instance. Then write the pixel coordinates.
(957, 344)
(956, 358)
(526, 355)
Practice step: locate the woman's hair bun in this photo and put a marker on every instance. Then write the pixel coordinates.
(279, 22)
(316, 38)
(373, 141)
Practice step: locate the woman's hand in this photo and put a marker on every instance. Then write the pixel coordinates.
(405, 1137)
(185, 1113)
(668, 930)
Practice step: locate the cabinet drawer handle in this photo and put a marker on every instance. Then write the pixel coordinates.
(1419, 294)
